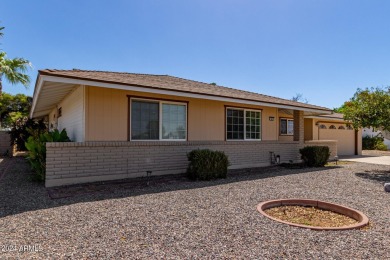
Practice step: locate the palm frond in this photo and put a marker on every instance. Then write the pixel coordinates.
(14, 69)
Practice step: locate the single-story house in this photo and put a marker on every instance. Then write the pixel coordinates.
(124, 124)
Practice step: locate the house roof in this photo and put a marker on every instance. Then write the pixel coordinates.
(331, 117)
(167, 83)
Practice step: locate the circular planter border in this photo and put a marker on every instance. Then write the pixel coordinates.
(352, 213)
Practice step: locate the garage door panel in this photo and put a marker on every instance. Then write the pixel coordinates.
(345, 139)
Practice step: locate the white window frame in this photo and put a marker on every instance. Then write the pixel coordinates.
(245, 110)
(160, 102)
(280, 129)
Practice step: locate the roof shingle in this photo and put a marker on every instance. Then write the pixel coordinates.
(172, 83)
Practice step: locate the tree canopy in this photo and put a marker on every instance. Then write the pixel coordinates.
(299, 98)
(368, 108)
(13, 107)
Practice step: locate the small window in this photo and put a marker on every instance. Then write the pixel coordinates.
(349, 127)
(286, 126)
(341, 127)
(243, 124)
(332, 127)
(322, 126)
(59, 112)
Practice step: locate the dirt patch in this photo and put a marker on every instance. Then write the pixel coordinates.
(310, 216)
(338, 163)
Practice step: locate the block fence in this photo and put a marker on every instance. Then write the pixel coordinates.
(72, 163)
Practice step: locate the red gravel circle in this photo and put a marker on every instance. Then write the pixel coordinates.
(352, 213)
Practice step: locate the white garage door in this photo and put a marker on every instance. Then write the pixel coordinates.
(345, 139)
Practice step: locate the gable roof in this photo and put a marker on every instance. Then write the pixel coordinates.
(169, 83)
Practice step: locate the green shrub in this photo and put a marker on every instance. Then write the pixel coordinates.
(315, 156)
(36, 146)
(23, 128)
(374, 143)
(207, 165)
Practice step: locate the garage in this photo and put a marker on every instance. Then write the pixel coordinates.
(334, 127)
(344, 136)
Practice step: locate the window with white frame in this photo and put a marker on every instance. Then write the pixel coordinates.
(243, 124)
(158, 120)
(286, 126)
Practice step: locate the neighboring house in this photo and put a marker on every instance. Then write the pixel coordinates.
(125, 124)
(372, 133)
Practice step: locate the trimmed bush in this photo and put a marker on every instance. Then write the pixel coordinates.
(36, 146)
(315, 156)
(374, 143)
(207, 165)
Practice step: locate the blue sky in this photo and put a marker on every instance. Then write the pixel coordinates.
(324, 50)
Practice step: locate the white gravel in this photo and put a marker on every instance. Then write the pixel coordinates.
(184, 219)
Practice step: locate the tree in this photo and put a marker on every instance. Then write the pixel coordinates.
(13, 107)
(13, 70)
(369, 108)
(299, 98)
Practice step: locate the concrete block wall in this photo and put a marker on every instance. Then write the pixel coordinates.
(5, 143)
(332, 144)
(71, 163)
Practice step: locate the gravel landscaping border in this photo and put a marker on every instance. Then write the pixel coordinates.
(184, 219)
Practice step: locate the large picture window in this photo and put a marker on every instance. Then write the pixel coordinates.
(158, 120)
(286, 126)
(243, 124)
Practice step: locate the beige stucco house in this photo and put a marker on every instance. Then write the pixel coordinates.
(125, 124)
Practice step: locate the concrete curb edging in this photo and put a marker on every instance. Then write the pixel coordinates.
(352, 213)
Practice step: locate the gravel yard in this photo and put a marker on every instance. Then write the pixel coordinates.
(184, 219)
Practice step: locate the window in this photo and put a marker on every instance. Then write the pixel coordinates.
(332, 127)
(322, 126)
(158, 120)
(173, 121)
(243, 124)
(59, 112)
(286, 126)
(144, 120)
(342, 127)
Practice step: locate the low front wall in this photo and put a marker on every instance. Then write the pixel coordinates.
(332, 144)
(71, 163)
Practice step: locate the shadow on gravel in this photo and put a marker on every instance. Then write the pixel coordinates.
(19, 194)
(379, 176)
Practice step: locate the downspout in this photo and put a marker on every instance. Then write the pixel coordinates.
(356, 142)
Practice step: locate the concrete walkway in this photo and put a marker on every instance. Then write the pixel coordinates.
(383, 160)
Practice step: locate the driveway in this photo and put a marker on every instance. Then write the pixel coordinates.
(382, 160)
(372, 157)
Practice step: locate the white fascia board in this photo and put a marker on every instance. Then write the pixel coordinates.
(164, 92)
(36, 95)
